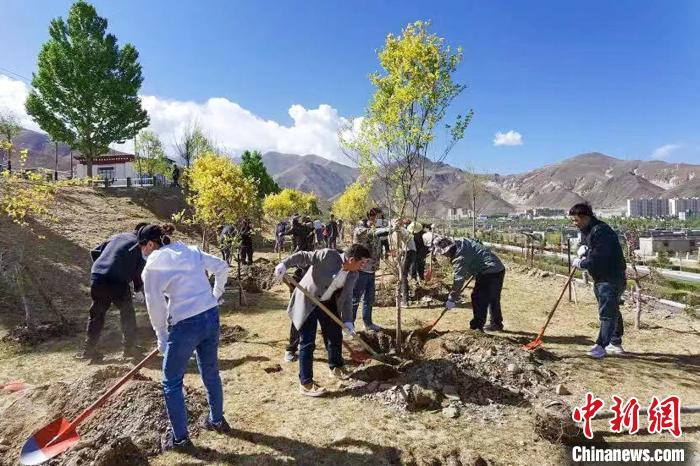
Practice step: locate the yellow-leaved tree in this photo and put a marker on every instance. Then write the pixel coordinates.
(289, 202)
(219, 194)
(354, 202)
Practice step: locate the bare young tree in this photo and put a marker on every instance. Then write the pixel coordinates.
(475, 189)
(9, 128)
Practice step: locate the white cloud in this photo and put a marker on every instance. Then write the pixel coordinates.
(511, 138)
(313, 130)
(13, 93)
(664, 151)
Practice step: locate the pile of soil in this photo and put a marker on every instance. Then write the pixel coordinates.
(553, 422)
(258, 277)
(433, 291)
(40, 333)
(455, 371)
(445, 456)
(126, 430)
(231, 334)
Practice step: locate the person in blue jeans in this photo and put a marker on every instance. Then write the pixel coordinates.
(369, 234)
(600, 253)
(184, 313)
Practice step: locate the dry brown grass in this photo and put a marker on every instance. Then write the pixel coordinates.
(274, 424)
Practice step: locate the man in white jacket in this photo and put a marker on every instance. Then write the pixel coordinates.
(184, 314)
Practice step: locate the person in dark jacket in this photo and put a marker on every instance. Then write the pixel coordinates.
(332, 233)
(471, 258)
(246, 232)
(227, 236)
(279, 236)
(116, 263)
(600, 253)
(421, 255)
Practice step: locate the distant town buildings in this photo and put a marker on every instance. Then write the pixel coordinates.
(545, 212)
(684, 242)
(662, 208)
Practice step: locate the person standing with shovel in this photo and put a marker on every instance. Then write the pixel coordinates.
(184, 313)
(601, 254)
(331, 277)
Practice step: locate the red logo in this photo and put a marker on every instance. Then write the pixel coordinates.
(587, 412)
(626, 415)
(665, 415)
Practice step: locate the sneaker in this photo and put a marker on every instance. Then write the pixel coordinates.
(290, 356)
(311, 389)
(493, 328)
(614, 349)
(168, 442)
(597, 352)
(340, 373)
(221, 427)
(373, 328)
(90, 354)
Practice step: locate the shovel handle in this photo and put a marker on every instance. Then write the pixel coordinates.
(330, 314)
(556, 304)
(101, 400)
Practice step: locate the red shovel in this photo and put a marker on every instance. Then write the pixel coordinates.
(58, 436)
(15, 386)
(538, 341)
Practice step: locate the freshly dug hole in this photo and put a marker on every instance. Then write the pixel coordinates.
(258, 277)
(40, 333)
(553, 422)
(231, 334)
(137, 413)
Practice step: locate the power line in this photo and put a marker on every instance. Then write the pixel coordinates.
(23, 78)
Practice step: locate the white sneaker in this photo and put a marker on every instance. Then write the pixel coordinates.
(373, 328)
(289, 356)
(597, 352)
(311, 389)
(614, 349)
(340, 373)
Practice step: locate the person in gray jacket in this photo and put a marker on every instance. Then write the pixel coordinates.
(471, 258)
(331, 277)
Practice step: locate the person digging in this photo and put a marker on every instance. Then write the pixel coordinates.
(184, 313)
(471, 258)
(115, 264)
(601, 255)
(331, 277)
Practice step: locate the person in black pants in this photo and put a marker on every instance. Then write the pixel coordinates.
(116, 262)
(471, 258)
(246, 232)
(601, 255)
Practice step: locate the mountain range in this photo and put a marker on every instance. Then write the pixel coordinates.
(605, 181)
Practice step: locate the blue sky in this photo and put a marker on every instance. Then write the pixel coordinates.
(619, 77)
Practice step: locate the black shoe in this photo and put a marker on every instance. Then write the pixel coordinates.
(90, 354)
(167, 442)
(221, 427)
(494, 328)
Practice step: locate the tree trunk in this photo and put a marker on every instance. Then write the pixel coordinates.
(399, 285)
(88, 161)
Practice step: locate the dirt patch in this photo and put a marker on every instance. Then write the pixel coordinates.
(258, 277)
(553, 422)
(445, 456)
(40, 333)
(384, 342)
(456, 371)
(124, 431)
(231, 334)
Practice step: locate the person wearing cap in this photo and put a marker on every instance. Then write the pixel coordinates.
(184, 313)
(471, 258)
(116, 263)
(330, 276)
(367, 234)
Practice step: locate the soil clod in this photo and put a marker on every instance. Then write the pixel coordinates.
(31, 336)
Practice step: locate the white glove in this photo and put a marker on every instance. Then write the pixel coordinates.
(351, 327)
(582, 251)
(280, 270)
(162, 342)
(449, 304)
(138, 297)
(576, 263)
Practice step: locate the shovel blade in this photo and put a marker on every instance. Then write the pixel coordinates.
(49, 441)
(15, 386)
(359, 356)
(533, 344)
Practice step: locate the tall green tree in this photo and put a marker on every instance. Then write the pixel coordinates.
(150, 156)
(85, 90)
(253, 168)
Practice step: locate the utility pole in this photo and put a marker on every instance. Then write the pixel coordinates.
(55, 170)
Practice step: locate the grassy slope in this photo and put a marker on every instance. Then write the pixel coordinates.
(275, 425)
